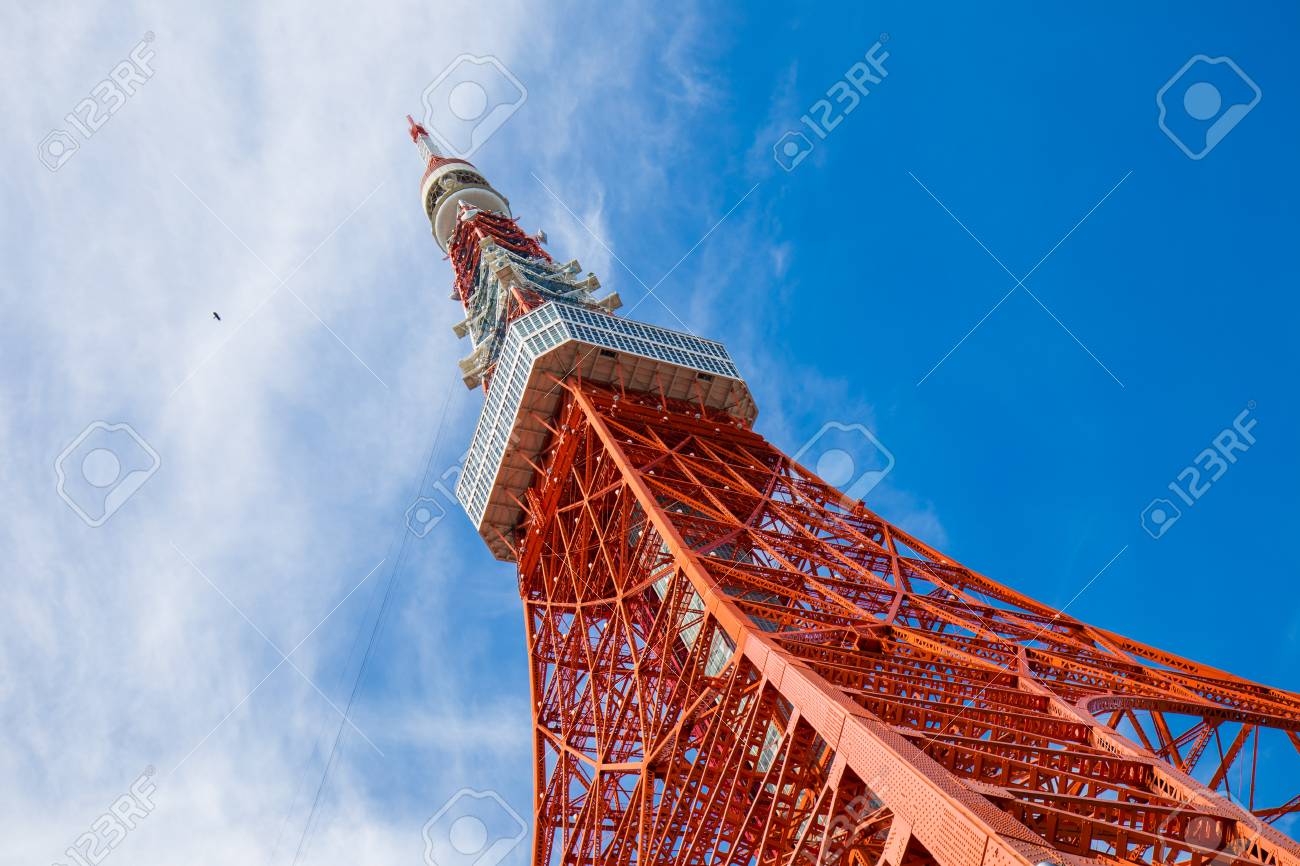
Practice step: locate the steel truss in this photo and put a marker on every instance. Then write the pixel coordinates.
(732, 664)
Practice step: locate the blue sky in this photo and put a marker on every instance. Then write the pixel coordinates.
(293, 434)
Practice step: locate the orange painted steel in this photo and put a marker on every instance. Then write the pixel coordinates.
(732, 664)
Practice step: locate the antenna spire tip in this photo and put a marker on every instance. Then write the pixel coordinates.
(416, 129)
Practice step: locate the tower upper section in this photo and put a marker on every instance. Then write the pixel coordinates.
(533, 324)
(447, 183)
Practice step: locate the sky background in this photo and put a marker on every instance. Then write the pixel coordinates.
(264, 172)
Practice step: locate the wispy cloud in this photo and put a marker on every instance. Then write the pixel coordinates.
(286, 466)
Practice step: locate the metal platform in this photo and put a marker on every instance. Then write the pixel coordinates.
(564, 340)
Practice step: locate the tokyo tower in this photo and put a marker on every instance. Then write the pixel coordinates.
(733, 663)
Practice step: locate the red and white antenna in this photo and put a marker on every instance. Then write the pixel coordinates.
(450, 183)
(420, 136)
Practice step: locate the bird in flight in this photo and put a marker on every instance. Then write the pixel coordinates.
(216, 316)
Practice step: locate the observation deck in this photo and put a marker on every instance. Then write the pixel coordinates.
(557, 341)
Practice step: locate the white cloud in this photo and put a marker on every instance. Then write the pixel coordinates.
(286, 464)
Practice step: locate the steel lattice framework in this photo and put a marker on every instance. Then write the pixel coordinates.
(731, 663)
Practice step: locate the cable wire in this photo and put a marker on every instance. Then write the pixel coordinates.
(374, 632)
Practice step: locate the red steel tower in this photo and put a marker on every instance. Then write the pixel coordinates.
(732, 663)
